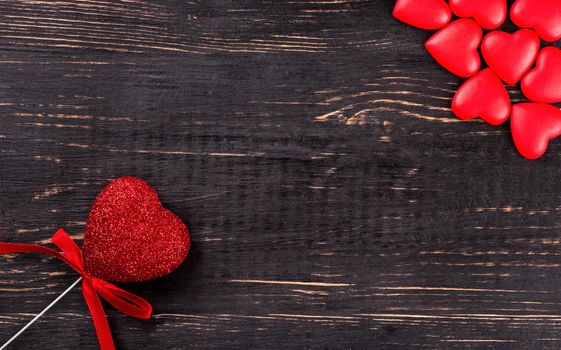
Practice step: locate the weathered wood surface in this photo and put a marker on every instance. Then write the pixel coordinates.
(333, 199)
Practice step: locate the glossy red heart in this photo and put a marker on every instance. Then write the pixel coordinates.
(533, 126)
(424, 14)
(455, 47)
(483, 95)
(490, 14)
(130, 236)
(542, 15)
(543, 82)
(510, 55)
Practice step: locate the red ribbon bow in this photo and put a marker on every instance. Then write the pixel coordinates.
(120, 299)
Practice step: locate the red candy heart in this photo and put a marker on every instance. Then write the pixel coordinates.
(542, 15)
(130, 236)
(490, 14)
(543, 83)
(424, 14)
(483, 95)
(510, 55)
(533, 125)
(455, 47)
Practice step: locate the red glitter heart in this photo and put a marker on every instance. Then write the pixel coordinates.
(130, 236)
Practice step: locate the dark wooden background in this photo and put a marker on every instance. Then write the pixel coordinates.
(334, 200)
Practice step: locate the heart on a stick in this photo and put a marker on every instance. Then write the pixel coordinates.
(130, 236)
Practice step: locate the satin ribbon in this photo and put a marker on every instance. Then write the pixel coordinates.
(92, 287)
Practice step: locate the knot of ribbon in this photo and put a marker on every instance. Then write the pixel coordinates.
(92, 287)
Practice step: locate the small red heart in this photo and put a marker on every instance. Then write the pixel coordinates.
(510, 55)
(483, 95)
(130, 236)
(542, 15)
(533, 126)
(490, 14)
(455, 47)
(543, 83)
(424, 14)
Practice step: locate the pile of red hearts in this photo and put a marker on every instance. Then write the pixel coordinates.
(510, 59)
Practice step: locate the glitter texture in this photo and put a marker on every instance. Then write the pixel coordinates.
(130, 236)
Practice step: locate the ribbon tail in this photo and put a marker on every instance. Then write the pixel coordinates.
(101, 324)
(71, 254)
(6, 248)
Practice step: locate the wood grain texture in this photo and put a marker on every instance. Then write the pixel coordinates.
(334, 201)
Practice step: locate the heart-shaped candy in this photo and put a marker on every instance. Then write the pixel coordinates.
(543, 83)
(510, 55)
(424, 14)
(490, 14)
(130, 236)
(533, 126)
(455, 47)
(483, 95)
(542, 15)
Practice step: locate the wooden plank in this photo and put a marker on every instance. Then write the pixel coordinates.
(334, 200)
